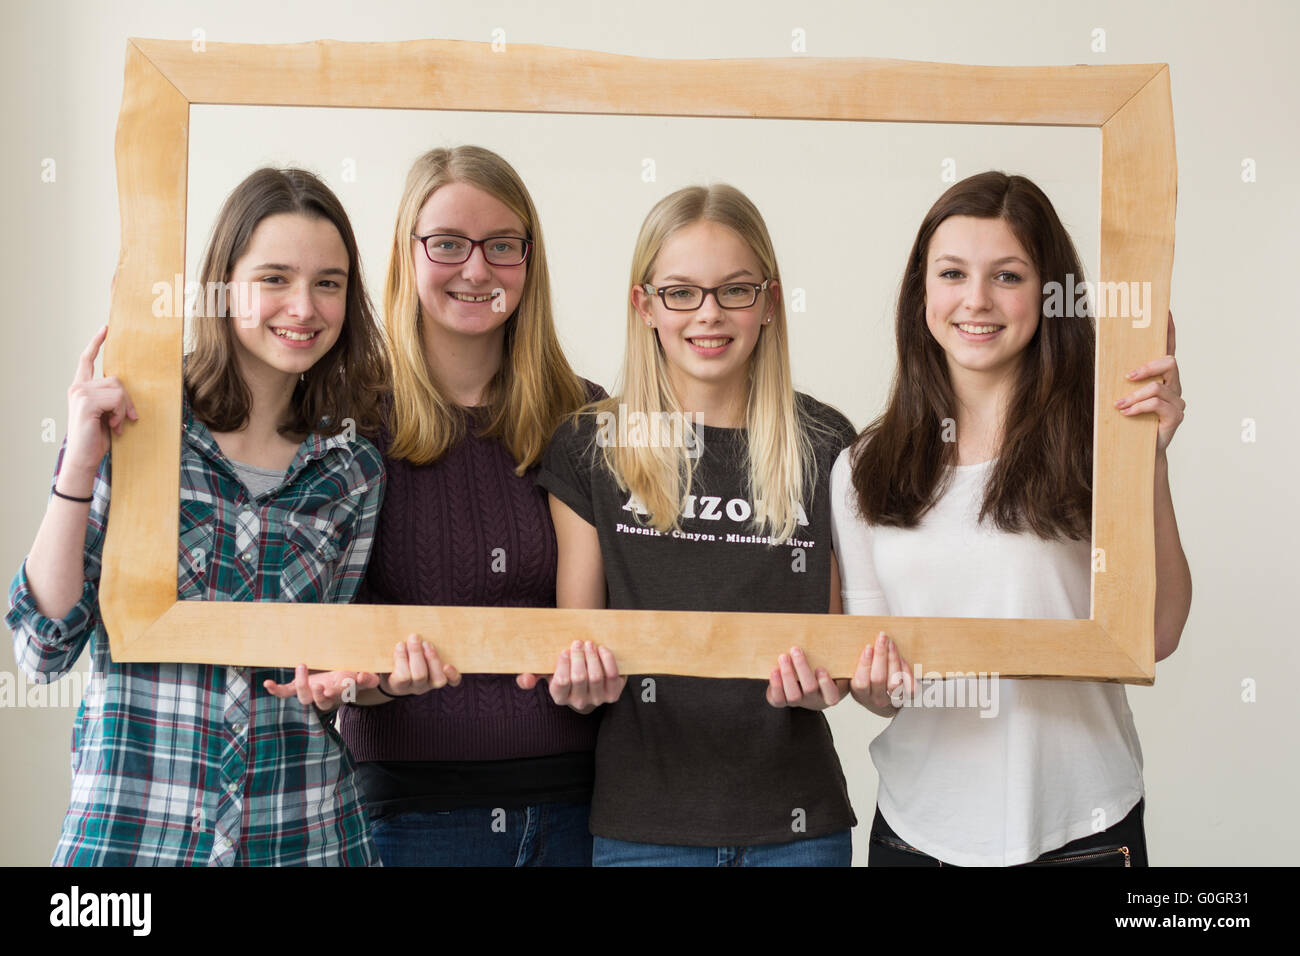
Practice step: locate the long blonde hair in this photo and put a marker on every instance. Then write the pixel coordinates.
(781, 462)
(535, 388)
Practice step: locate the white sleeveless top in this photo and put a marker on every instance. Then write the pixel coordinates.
(1059, 760)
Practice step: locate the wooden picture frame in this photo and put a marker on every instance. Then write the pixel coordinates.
(1130, 104)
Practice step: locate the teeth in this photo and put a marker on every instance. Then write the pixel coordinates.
(295, 336)
(978, 329)
(710, 343)
(462, 297)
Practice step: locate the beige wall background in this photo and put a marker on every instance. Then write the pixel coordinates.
(1218, 729)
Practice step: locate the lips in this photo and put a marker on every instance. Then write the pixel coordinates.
(295, 336)
(471, 297)
(978, 331)
(709, 345)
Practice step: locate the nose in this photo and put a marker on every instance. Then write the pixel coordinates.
(476, 268)
(299, 302)
(977, 296)
(709, 310)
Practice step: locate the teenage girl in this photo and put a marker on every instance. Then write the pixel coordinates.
(189, 763)
(996, 524)
(469, 771)
(725, 509)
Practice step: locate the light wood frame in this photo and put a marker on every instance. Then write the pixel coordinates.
(1130, 104)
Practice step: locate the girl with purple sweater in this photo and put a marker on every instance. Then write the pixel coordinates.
(469, 770)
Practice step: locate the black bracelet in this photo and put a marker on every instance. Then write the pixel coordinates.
(71, 498)
(380, 688)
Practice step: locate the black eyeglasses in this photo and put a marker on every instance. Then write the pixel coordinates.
(447, 249)
(688, 298)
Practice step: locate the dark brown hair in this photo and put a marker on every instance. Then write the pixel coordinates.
(1042, 479)
(347, 382)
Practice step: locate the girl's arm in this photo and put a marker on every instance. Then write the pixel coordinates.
(54, 597)
(1173, 576)
(586, 675)
(53, 600)
(580, 576)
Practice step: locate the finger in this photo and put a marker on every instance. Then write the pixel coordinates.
(1157, 366)
(595, 673)
(613, 682)
(578, 670)
(1167, 412)
(789, 680)
(417, 660)
(279, 690)
(367, 681)
(86, 361)
(324, 695)
(452, 675)
(829, 689)
(562, 680)
(526, 681)
(433, 664)
(400, 679)
(861, 680)
(302, 683)
(804, 671)
(1146, 391)
(880, 663)
(775, 691)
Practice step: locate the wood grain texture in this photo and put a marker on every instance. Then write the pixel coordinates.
(462, 75)
(528, 640)
(138, 581)
(1138, 191)
(1131, 104)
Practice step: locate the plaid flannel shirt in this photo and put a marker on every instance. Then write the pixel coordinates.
(193, 764)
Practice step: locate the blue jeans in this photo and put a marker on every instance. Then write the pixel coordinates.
(547, 834)
(835, 849)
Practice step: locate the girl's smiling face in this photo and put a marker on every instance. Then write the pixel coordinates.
(983, 296)
(298, 267)
(711, 345)
(475, 297)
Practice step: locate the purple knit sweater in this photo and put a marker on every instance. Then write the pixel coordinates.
(464, 531)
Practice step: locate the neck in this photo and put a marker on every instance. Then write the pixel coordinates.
(717, 404)
(272, 392)
(463, 365)
(982, 400)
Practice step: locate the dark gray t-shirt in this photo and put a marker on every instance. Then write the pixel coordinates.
(708, 762)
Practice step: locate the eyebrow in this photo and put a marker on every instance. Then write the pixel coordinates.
(453, 231)
(960, 261)
(734, 275)
(281, 267)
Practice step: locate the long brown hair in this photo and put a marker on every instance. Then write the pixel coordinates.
(1042, 479)
(534, 388)
(347, 382)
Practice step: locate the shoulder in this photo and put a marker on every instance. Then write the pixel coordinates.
(594, 392)
(830, 428)
(575, 433)
(365, 464)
